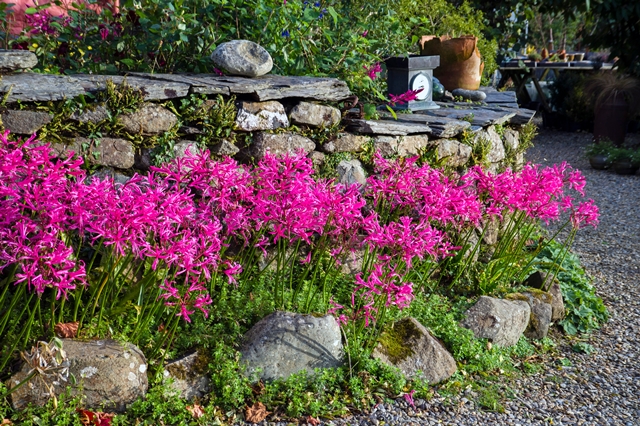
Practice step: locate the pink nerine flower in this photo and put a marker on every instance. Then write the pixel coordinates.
(374, 70)
(409, 95)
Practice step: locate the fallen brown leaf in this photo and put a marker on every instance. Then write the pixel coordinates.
(195, 410)
(313, 422)
(67, 330)
(257, 413)
(6, 422)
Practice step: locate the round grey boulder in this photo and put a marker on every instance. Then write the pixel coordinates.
(472, 95)
(13, 60)
(242, 57)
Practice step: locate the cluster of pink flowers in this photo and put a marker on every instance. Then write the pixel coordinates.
(183, 216)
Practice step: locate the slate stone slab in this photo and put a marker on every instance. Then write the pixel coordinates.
(285, 343)
(386, 127)
(440, 127)
(478, 116)
(264, 88)
(29, 87)
(507, 98)
(153, 90)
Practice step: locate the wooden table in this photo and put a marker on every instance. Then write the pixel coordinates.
(521, 71)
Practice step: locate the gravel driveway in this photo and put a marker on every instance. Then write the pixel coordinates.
(598, 389)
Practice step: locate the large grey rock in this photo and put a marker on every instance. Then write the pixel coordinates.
(22, 122)
(346, 142)
(543, 281)
(150, 119)
(13, 60)
(108, 172)
(92, 114)
(540, 319)
(279, 144)
(502, 321)
(109, 375)
(409, 346)
(471, 95)
(285, 343)
(314, 115)
(410, 146)
(387, 146)
(189, 376)
(242, 57)
(496, 150)
(261, 116)
(351, 172)
(118, 153)
(456, 153)
(224, 148)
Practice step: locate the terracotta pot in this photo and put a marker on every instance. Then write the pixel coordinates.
(461, 65)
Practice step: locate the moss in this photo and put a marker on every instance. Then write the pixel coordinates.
(183, 371)
(517, 296)
(394, 341)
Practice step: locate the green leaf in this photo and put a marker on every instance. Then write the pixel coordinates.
(333, 14)
(30, 10)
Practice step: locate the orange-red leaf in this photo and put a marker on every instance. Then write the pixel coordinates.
(195, 410)
(257, 413)
(67, 330)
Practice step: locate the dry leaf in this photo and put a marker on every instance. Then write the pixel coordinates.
(313, 422)
(6, 422)
(195, 410)
(91, 418)
(67, 330)
(256, 414)
(258, 388)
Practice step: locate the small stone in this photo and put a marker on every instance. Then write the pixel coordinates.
(471, 95)
(314, 115)
(242, 57)
(540, 304)
(456, 153)
(279, 144)
(23, 122)
(13, 60)
(496, 148)
(261, 116)
(110, 152)
(511, 139)
(181, 148)
(150, 119)
(412, 145)
(92, 114)
(189, 374)
(351, 172)
(108, 172)
(285, 343)
(224, 148)
(502, 321)
(317, 158)
(346, 142)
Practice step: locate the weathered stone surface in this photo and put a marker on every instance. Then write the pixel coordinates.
(189, 376)
(224, 148)
(346, 142)
(261, 116)
(496, 152)
(511, 139)
(142, 159)
(181, 148)
(315, 115)
(387, 146)
(152, 90)
(13, 60)
(29, 87)
(351, 172)
(489, 230)
(523, 116)
(482, 117)
(23, 122)
(542, 281)
(150, 119)
(440, 127)
(472, 95)
(502, 321)
(94, 114)
(541, 311)
(409, 346)
(109, 152)
(386, 127)
(403, 146)
(506, 98)
(242, 57)
(279, 144)
(318, 158)
(352, 263)
(456, 153)
(285, 343)
(107, 373)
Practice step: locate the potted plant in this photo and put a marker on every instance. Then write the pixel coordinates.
(616, 98)
(625, 161)
(598, 154)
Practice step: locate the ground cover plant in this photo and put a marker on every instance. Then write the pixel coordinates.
(191, 255)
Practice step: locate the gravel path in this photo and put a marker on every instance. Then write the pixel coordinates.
(598, 389)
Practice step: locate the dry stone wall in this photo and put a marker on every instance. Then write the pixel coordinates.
(271, 113)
